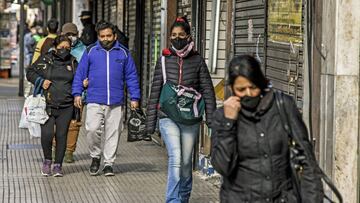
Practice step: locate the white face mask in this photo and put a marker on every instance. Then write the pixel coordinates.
(73, 39)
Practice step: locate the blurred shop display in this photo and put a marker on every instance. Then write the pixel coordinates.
(8, 44)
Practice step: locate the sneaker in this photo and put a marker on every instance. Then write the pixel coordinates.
(108, 171)
(69, 157)
(46, 168)
(95, 167)
(57, 170)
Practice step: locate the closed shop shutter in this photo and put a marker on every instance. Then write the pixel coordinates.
(284, 49)
(248, 26)
(155, 37)
(146, 58)
(132, 24)
(113, 12)
(106, 9)
(184, 8)
(100, 10)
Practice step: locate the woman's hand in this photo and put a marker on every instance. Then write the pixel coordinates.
(86, 82)
(232, 107)
(46, 84)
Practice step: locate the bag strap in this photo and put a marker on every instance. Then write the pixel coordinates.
(37, 86)
(279, 97)
(163, 69)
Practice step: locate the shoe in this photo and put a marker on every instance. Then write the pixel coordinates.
(57, 171)
(69, 157)
(95, 167)
(108, 171)
(46, 168)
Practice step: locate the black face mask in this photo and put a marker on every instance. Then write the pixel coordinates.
(106, 44)
(63, 53)
(250, 103)
(86, 21)
(179, 43)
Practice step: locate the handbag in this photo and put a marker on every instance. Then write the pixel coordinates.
(299, 153)
(180, 103)
(36, 105)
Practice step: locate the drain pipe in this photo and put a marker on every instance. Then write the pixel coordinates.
(214, 37)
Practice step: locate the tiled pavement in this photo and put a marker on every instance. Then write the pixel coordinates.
(140, 170)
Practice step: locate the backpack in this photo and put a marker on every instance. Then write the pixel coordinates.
(181, 104)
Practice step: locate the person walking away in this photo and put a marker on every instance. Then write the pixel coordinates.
(44, 45)
(250, 147)
(29, 48)
(77, 50)
(184, 66)
(88, 34)
(56, 69)
(107, 65)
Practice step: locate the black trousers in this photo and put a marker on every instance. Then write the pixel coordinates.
(58, 125)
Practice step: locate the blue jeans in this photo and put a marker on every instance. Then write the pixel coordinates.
(179, 140)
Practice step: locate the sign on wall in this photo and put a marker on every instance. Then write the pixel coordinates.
(285, 21)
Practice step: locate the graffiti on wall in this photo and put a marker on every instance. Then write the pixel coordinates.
(285, 21)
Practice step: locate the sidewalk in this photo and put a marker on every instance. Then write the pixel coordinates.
(140, 169)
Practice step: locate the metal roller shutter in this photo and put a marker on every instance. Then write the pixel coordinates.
(184, 8)
(249, 25)
(284, 49)
(113, 12)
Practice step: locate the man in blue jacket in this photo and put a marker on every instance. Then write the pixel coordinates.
(107, 65)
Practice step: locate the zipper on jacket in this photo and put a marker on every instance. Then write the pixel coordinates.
(180, 62)
(107, 77)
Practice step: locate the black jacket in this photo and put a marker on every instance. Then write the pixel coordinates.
(88, 35)
(60, 73)
(252, 154)
(195, 74)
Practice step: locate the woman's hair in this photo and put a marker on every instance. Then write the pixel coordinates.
(61, 38)
(248, 67)
(182, 22)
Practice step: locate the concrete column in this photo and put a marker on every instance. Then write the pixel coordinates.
(340, 95)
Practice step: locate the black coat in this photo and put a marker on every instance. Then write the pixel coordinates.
(60, 73)
(88, 35)
(195, 74)
(252, 154)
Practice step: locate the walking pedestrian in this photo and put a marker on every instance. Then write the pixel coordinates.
(107, 65)
(56, 69)
(250, 147)
(183, 66)
(88, 34)
(44, 45)
(77, 50)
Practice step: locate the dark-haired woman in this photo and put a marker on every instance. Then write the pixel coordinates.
(55, 69)
(186, 67)
(250, 147)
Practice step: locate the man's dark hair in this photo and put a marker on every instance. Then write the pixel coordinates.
(52, 26)
(102, 25)
(248, 67)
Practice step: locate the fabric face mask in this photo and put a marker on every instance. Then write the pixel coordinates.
(74, 40)
(250, 103)
(179, 43)
(63, 53)
(106, 44)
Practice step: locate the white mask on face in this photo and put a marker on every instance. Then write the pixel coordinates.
(73, 39)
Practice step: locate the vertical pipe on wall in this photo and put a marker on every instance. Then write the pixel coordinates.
(164, 28)
(214, 37)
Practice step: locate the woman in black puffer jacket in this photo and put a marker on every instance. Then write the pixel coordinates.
(186, 67)
(56, 69)
(250, 147)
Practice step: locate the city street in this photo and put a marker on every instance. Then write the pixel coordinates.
(140, 168)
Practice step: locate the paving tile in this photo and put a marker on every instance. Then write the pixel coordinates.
(140, 168)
